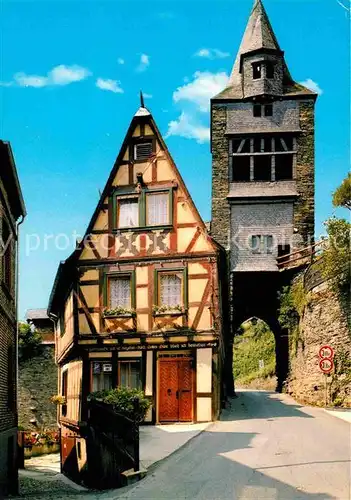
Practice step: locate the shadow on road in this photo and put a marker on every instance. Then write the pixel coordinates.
(268, 405)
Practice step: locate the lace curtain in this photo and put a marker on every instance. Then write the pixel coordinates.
(128, 213)
(119, 292)
(170, 289)
(157, 209)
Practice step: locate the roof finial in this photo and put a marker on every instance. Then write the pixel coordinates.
(142, 104)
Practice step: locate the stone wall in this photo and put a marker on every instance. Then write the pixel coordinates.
(220, 224)
(304, 207)
(37, 383)
(324, 321)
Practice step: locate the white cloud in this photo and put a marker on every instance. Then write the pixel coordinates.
(312, 85)
(194, 100)
(147, 96)
(204, 86)
(186, 127)
(36, 81)
(6, 84)
(59, 75)
(111, 85)
(144, 63)
(120, 60)
(64, 75)
(211, 53)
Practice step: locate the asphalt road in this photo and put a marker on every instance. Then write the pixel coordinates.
(265, 447)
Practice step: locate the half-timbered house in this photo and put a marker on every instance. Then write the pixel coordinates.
(138, 304)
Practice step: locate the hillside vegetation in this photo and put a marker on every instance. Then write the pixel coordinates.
(254, 356)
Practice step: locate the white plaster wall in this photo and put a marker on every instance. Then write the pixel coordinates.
(204, 409)
(204, 370)
(149, 368)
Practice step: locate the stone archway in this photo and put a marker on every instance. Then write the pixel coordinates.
(257, 295)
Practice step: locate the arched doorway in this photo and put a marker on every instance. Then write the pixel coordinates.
(256, 295)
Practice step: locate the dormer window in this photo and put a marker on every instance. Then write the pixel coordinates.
(268, 110)
(257, 110)
(269, 70)
(262, 110)
(142, 150)
(257, 70)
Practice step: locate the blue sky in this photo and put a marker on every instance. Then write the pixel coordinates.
(70, 75)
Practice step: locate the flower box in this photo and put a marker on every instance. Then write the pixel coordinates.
(118, 312)
(164, 310)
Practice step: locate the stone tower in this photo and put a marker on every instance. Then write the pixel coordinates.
(262, 127)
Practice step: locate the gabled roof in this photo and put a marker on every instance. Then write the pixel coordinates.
(65, 273)
(9, 177)
(259, 36)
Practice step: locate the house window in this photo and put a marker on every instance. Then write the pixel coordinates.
(256, 244)
(142, 150)
(101, 376)
(257, 71)
(269, 70)
(157, 209)
(129, 374)
(128, 212)
(64, 392)
(170, 289)
(268, 241)
(7, 254)
(268, 110)
(119, 292)
(257, 110)
(262, 243)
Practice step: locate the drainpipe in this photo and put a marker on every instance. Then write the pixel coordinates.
(16, 306)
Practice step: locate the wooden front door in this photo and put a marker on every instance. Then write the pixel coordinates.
(175, 390)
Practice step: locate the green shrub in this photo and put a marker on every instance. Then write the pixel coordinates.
(129, 402)
(254, 344)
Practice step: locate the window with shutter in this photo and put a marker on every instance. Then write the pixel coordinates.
(157, 209)
(170, 287)
(119, 292)
(142, 150)
(128, 212)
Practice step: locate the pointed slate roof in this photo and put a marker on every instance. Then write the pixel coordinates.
(259, 35)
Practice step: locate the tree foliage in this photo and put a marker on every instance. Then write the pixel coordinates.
(29, 341)
(255, 342)
(336, 255)
(342, 195)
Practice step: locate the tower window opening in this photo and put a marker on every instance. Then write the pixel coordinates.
(257, 71)
(262, 168)
(269, 70)
(268, 110)
(257, 110)
(283, 167)
(257, 144)
(241, 168)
